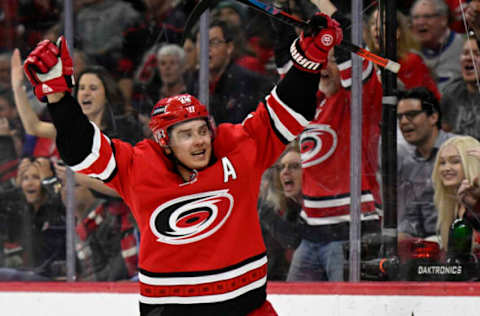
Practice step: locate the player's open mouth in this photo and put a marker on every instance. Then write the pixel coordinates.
(199, 153)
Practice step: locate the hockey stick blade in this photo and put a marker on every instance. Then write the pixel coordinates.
(286, 18)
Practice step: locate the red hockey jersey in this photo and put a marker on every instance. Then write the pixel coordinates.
(200, 241)
(325, 152)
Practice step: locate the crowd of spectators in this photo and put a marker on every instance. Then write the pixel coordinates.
(128, 54)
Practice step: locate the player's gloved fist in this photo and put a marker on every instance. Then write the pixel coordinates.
(310, 51)
(49, 68)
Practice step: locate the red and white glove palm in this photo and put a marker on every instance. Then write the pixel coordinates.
(310, 51)
(49, 68)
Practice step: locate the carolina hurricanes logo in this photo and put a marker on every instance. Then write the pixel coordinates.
(317, 144)
(191, 218)
(327, 39)
(185, 99)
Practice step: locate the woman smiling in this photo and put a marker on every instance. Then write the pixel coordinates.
(453, 166)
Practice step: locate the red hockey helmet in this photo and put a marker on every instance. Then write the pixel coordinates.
(170, 111)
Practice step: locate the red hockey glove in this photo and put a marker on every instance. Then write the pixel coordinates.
(310, 51)
(49, 68)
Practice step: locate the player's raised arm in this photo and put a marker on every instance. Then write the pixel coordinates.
(29, 118)
(49, 68)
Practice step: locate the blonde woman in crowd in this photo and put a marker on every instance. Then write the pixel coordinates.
(279, 205)
(35, 224)
(455, 164)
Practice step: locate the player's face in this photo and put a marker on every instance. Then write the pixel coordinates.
(450, 167)
(417, 127)
(467, 62)
(31, 185)
(91, 95)
(191, 143)
(290, 168)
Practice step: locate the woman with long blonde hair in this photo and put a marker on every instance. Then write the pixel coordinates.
(279, 206)
(454, 164)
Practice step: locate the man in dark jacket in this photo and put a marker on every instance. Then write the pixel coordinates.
(234, 90)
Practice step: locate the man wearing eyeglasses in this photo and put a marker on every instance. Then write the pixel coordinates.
(234, 90)
(419, 116)
(440, 46)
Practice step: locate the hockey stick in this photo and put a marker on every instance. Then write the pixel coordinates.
(284, 17)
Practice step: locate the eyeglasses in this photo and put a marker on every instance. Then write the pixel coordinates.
(290, 166)
(410, 115)
(425, 16)
(216, 42)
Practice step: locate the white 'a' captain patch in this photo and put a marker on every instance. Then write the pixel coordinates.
(228, 170)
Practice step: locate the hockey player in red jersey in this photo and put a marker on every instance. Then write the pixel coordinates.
(325, 152)
(193, 191)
